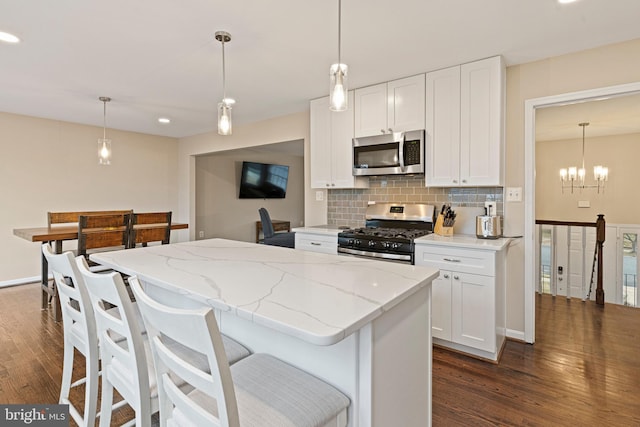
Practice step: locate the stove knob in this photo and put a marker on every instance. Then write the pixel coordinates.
(350, 242)
(356, 242)
(385, 245)
(395, 246)
(372, 243)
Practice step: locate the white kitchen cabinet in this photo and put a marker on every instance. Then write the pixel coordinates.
(317, 242)
(468, 298)
(331, 151)
(441, 306)
(395, 106)
(465, 125)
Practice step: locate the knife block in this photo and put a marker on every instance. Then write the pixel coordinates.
(440, 229)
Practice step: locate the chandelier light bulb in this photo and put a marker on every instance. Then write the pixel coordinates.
(104, 144)
(224, 119)
(338, 95)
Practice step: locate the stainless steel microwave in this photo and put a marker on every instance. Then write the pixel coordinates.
(395, 153)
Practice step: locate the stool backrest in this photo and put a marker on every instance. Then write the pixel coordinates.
(149, 227)
(103, 231)
(197, 330)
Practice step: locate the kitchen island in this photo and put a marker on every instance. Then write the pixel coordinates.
(362, 325)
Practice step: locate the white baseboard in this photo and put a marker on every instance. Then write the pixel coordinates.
(22, 281)
(516, 335)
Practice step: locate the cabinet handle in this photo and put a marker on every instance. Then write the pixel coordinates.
(327, 184)
(455, 181)
(451, 259)
(446, 276)
(464, 181)
(390, 130)
(333, 184)
(316, 244)
(456, 277)
(382, 131)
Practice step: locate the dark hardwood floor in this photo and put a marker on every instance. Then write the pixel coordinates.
(584, 369)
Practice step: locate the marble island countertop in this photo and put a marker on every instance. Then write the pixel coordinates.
(318, 298)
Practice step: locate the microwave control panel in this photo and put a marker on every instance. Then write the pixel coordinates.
(412, 153)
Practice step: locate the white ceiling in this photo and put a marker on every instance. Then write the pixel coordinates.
(159, 57)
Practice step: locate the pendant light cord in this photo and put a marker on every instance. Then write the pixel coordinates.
(339, 30)
(224, 78)
(104, 121)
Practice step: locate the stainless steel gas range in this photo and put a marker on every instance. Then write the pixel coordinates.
(389, 231)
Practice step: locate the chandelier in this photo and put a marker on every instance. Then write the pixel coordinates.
(573, 177)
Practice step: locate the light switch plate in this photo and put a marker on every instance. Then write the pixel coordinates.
(584, 204)
(319, 196)
(514, 194)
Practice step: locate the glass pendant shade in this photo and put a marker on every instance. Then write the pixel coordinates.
(104, 151)
(600, 173)
(224, 119)
(338, 99)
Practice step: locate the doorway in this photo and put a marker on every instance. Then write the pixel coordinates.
(529, 197)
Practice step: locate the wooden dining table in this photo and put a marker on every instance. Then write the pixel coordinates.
(58, 234)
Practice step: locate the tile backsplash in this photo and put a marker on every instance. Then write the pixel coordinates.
(347, 207)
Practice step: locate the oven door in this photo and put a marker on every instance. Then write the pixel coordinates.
(389, 154)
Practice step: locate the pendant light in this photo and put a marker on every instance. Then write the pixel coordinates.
(224, 107)
(104, 144)
(338, 99)
(574, 177)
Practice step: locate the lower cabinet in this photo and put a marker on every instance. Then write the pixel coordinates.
(468, 299)
(326, 244)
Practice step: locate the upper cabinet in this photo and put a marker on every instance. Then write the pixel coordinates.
(465, 125)
(330, 146)
(395, 106)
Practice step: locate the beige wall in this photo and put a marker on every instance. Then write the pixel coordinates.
(219, 211)
(280, 129)
(48, 165)
(605, 66)
(618, 202)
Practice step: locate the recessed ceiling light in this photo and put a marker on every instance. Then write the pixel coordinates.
(566, 1)
(9, 38)
(164, 120)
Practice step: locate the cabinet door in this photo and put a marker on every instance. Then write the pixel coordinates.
(473, 311)
(341, 147)
(441, 306)
(370, 106)
(442, 124)
(405, 104)
(320, 143)
(482, 122)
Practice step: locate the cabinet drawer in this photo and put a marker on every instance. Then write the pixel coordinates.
(462, 260)
(317, 243)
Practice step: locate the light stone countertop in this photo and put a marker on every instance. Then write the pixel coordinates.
(329, 230)
(316, 297)
(468, 241)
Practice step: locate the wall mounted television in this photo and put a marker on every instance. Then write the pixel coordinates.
(263, 181)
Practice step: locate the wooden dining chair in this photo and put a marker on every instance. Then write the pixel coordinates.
(103, 232)
(257, 391)
(150, 227)
(127, 365)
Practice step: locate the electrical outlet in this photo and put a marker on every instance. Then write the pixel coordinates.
(319, 196)
(201, 234)
(514, 194)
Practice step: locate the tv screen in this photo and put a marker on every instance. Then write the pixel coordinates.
(263, 181)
